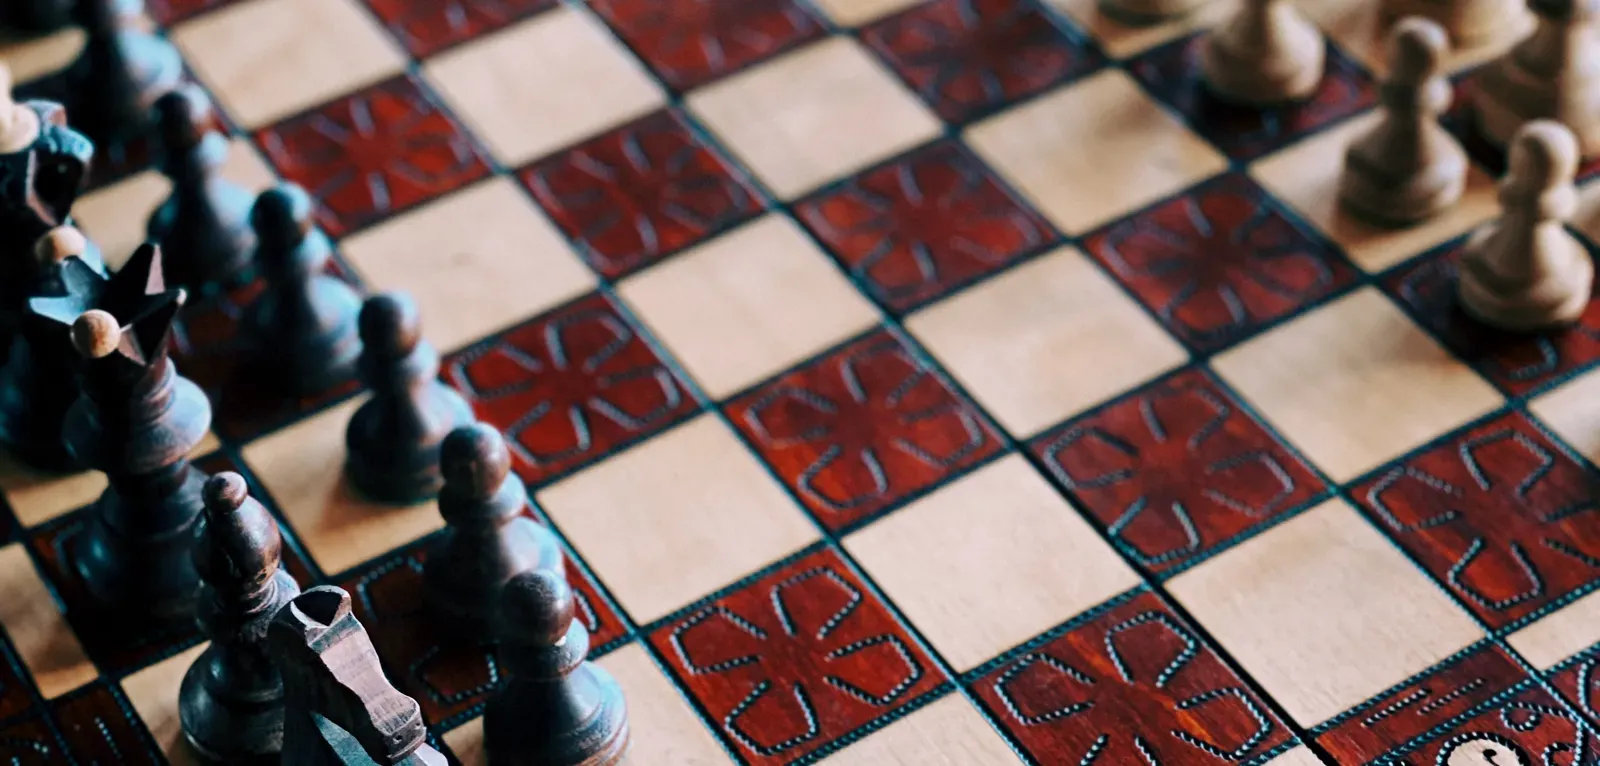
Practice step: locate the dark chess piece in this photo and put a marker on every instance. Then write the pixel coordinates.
(556, 708)
(393, 438)
(136, 420)
(302, 330)
(35, 17)
(122, 70)
(487, 538)
(204, 226)
(341, 710)
(231, 701)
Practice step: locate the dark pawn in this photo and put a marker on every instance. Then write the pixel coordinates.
(340, 709)
(231, 701)
(35, 17)
(119, 75)
(302, 329)
(204, 227)
(556, 708)
(487, 538)
(393, 439)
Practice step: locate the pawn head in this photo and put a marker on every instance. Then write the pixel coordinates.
(537, 607)
(1417, 47)
(389, 324)
(96, 334)
(239, 541)
(474, 460)
(183, 117)
(59, 244)
(1543, 155)
(282, 216)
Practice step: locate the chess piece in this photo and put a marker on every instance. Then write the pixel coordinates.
(1467, 23)
(1407, 168)
(204, 227)
(302, 330)
(556, 708)
(135, 420)
(487, 538)
(1267, 53)
(340, 709)
(1148, 12)
(120, 73)
(1552, 74)
(35, 17)
(1525, 271)
(393, 439)
(231, 701)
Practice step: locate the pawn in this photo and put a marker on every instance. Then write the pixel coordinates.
(1467, 23)
(204, 227)
(487, 538)
(1267, 53)
(120, 73)
(1552, 74)
(1407, 168)
(1148, 12)
(556, 708)
(302, 329)
(393, 439)
(1525, 271)
(231, 701)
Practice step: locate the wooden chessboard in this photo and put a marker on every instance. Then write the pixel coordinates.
(927, 383)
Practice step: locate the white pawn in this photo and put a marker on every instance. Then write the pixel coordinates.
(1468, 23)
(1267, 53)
(1525, 271)
(1407, 168)
(1552, 74)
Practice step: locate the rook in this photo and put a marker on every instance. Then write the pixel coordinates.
(1267, 53)
(204, 227)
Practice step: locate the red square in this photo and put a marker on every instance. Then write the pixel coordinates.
(30, 743)
(862, 428)
(426, 27)
(170, 12)
(97, 728)
(796, 659)
(1528, 727)
(692, 42)
(1132, 683)
(16, 691)
(1498, 513)
(1578, 681)
(374, 153)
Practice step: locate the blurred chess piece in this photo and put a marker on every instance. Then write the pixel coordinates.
(35, 17)
(1266, 53)
(1552, 74)
(204, 224)
(120, 73)
(1468, 23)
(1147, 12)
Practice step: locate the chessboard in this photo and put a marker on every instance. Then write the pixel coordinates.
(945, 382)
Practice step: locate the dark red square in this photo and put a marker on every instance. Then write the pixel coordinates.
(1527, 727)
(862, 428)
(16, 691)
(1578, 681)
(1518, 362)
(569, 386)
(1132, 684)
(170, 12)
(1172, 73)
(641, 192)
(99, 727)
(30, 743)
(692, 42)
(1175, 470)
(967, 58)
(793, 661)
(1421, 705)
(1219, 262)
(1503, 517)
(917, 228)
(374, 153)
(426, 27)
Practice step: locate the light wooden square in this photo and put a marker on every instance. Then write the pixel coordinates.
(39, 632)
(949, 732)
(37, 497)
(1028, 562)
(814, 115)
(1306, 175)
(748, 304)
(153, 692)
(677, 517)
(476, 261)
(1094, 150)
(1560, 634)
(543, 84)
(116, 217)
(1355, 383)
(1126, 40)
(1045, 340)
(267, 59)
(302, 468)
(855, 13)
(1324, 612)
(1573, 412)
(1300, 755)
(31, 59)
(1357, 26)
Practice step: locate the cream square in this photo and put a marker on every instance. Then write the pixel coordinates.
(476, 261)
(748, 304)
(677, 517)
(1572, 411)
(33, 58)
(1560, 634)
(153, 692)
(1127, 40)
(302, 468)
(543, 84)
(1094, 150)
(1045, 340)
(267, 59)
(1324, 612)
(39, 632)
(1306, 176)
(1355, 383)
(855, 13)
(814, 115)
(1028, 562)
(949, 732)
